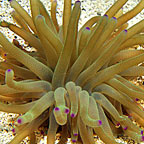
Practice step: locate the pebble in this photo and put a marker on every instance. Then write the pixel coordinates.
(90, 8)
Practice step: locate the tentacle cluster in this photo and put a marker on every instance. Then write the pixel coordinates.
(76, 82)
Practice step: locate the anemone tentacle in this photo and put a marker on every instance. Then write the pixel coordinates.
(76, 82)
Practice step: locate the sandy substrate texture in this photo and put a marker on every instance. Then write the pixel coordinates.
(90, 8)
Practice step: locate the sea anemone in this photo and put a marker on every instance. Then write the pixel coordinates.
(76, 82)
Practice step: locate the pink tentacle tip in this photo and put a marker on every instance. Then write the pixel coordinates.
(142, 138)
(56, 109)
(19, 121)
(73, 141)
(9, 70)
(67, 111)
(72, 115)
(125, 128)
(75, 134)
(99, 122)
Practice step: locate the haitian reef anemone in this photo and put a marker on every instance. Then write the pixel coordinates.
(76, 82)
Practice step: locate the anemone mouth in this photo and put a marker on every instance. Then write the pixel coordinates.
(76, 83)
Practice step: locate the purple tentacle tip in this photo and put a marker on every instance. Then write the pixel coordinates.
(87, 28)
(13, 130)
(19, 121)
(77, 1)
(75, 134)
(114, 18)
(125, 128)
(99, 122)
(130, 116)
(142, 138)
(66, 111)
(136, 99)
(42, 132)
(9, 70)
(5, 54)
(118, 124)
(56, 109)
(106, 15)
(73, 141)
(142, 132)
(125, 30)
(39, 16)
(72, 115)
(10, 0)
